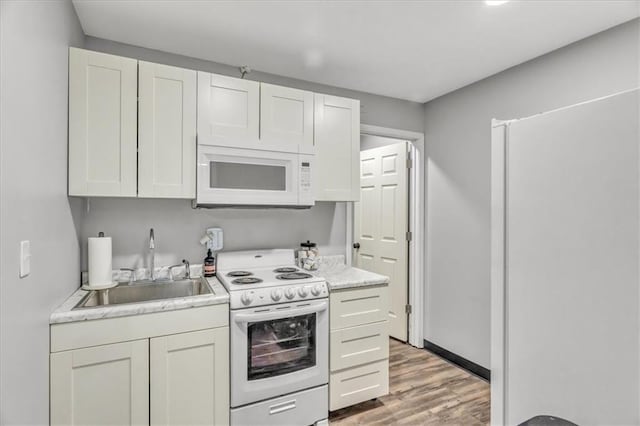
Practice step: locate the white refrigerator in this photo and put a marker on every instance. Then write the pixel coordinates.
(565, 262)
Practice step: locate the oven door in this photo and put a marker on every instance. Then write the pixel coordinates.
(278, 349)
(241, 176)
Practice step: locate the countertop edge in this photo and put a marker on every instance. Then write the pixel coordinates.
(344, 277)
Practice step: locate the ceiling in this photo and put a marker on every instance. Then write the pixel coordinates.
(414, 50)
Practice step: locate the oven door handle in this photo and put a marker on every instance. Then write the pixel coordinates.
(266, 316)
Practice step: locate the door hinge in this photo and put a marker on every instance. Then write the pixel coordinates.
(409, 160)
(407, 309)
(409, 236)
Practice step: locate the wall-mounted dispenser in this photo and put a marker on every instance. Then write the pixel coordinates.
(213, 239)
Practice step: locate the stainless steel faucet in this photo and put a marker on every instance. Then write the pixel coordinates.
(187, 274)
(152, 260)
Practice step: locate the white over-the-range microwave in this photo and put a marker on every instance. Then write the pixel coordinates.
(243, 176)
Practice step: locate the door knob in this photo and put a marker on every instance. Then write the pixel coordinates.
(356, 246)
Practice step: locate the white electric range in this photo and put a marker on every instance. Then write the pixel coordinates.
(279, 322)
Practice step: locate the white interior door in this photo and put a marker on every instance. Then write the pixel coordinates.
(381, 225)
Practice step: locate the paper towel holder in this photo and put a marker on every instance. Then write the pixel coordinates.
(104, 284)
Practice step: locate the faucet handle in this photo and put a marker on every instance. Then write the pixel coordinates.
(132, 273)
(179, 265)
(187, 268)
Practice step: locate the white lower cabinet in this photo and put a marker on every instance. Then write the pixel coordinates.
(103, 385)
(359, 346)
(190, 378)
(144, 369)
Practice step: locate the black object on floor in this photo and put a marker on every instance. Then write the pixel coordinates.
(547, 421)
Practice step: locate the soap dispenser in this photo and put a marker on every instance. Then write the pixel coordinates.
(209, 265)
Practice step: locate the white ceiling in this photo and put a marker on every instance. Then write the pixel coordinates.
(415, 50)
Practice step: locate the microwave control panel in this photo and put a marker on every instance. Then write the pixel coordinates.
(305, 194)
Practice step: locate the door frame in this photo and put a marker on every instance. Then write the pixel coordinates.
(417, 214)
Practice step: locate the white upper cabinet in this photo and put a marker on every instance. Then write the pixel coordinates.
(166, 131)
(228, 110)
(286, 119)
(337, 148)
(134, 127)
(102, 124)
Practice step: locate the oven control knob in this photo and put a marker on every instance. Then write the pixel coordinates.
(246, 298)
(316, 290)
(276, 295)
(290, 293)
(302, 291)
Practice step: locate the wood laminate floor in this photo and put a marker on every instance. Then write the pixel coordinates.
(424, 389)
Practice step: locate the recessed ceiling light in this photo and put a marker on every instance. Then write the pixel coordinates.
(496, 2)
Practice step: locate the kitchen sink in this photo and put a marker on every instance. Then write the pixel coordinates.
(144, 291)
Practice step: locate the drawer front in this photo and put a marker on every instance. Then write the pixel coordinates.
(307, 407)
(82, 334)
(359, 306)
(349, 387)
(359, 345)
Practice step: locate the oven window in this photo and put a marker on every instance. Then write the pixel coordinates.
(281, 346)
(225, 175)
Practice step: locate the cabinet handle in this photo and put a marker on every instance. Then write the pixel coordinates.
(356, 246)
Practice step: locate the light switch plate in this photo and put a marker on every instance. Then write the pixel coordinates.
(25, 258)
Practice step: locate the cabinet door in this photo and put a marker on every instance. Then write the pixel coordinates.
(190, 378)
(228, 110)
(166, 132)
(101, 385)
(286, 119)
(337, 143)
(102, 124)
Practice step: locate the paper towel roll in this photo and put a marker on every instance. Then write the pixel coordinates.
(99, 262)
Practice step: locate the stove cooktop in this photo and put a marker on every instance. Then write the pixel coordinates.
(266, 277)
(247, 278)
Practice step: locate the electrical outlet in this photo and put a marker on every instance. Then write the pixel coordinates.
(25, 258)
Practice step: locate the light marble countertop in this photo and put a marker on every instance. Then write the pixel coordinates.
(340, 276)
(65, 313)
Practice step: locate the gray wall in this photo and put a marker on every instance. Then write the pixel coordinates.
(371, 141)
(35, 38)
(458, 172)
(178, 227)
